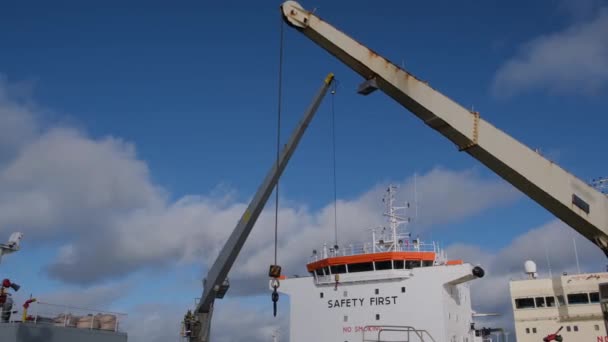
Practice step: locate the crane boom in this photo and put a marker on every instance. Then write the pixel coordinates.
(570, 199)
(215, 283)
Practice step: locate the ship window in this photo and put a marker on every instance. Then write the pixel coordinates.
(594, 297)
(575, 328)
(377, 317)
(540, 302)
(384, 265)
(550, 301)
(578, 298)
(338, 269)
(403, 289)
(409, 264)
(568, 328)
(597, 327)
(319, 271)
(398, 264)
(534, 330)
(427, 263)
(321, 295)
(524, 303)
(361, 267)
(527, 330)
(377, 291)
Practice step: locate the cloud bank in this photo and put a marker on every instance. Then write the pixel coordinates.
(572, 60)
(96, 199)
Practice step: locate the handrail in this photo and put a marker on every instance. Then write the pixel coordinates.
(420, 333)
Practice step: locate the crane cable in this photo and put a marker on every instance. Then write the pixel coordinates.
(275, 269)
(333, 137)
(279, 105)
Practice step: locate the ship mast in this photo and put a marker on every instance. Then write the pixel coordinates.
(394, 218)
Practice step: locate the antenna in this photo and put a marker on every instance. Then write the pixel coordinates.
(548, 261)
(578, 266)
(416, 194)
(393, 217)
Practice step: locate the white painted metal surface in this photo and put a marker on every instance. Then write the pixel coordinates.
(542, 306)
(573, 201)
(421, 298)
(385, 293)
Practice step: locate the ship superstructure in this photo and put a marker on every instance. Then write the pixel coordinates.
(392, 288)
(568, 303)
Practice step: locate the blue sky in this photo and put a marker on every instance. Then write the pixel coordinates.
(189, 93)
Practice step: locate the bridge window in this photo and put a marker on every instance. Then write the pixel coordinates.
(560, 300)
(578, 298)
(550, 301)
(319, 271)
(361, 267)
(338, 269)
(427, 263)
(524, 303)
(594, 297)
(409, 264)
(384, 265)
(398, 264)
(540, 302)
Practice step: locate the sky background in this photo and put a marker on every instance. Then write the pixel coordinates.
(132, 136)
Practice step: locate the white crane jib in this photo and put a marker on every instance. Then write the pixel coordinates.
(570, 199)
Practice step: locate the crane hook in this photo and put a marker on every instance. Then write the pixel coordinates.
(274, 283)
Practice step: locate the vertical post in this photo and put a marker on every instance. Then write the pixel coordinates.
(548, 261)
(578, 266)
(374, 240)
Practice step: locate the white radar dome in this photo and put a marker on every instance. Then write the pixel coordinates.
(530, 267)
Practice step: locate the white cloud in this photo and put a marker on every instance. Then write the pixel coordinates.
(580, 9)
(18, 122)
(575, 59)
(194, 229)
(97, 198)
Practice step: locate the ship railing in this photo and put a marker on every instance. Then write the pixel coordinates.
(395, 333)
(370, 248)
(72, 317)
